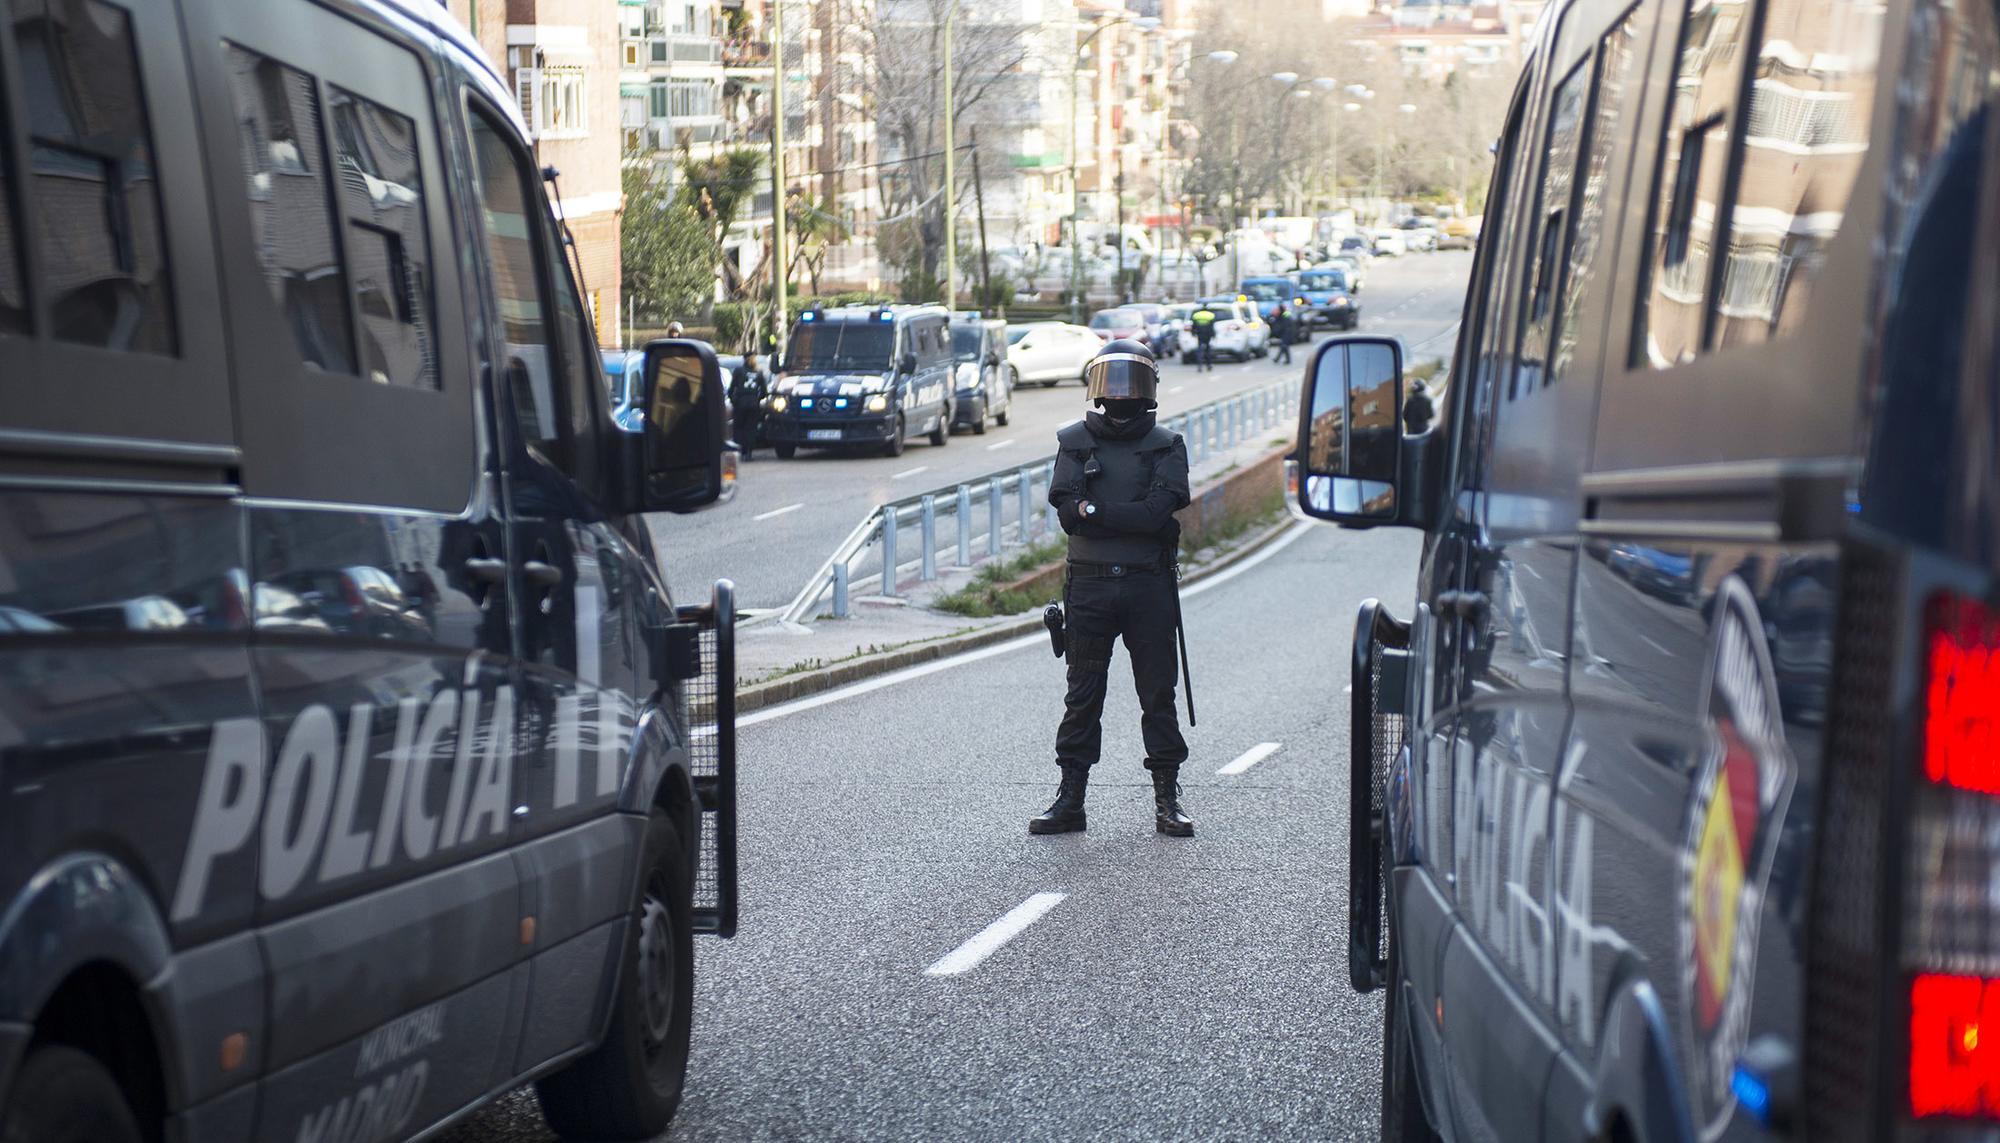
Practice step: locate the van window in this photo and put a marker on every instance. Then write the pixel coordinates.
(1615, 54)
(13, 297)
(1804, 138)
(576, 342)
(1541, 277)
(102, 240)
(388, 242)
(291, 205)
(529, 372)
(1688, 197)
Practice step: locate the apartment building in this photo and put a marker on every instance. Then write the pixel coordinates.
(560, 58)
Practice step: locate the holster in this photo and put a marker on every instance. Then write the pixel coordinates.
(1052, 618)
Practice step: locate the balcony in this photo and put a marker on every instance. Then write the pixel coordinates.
(746, 51)
(685, 47)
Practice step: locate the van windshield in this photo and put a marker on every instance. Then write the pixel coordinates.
(863, 345)
(965, 342)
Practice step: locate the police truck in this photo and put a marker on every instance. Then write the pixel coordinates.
(356, 764)
(1675, 790)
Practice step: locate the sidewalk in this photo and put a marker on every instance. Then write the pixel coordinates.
(880, 626)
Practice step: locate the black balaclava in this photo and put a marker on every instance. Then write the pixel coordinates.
(1122, 418)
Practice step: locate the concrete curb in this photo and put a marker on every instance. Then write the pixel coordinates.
(806, 683)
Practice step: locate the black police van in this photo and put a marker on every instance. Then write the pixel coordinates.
(984, 380)
(354, 764)
(1675, 789)
(864, 375)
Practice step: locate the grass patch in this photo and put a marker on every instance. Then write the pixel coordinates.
(982, 597)
(1262, 514)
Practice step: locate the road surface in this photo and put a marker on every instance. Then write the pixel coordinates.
(1191, 989)
(788, 516)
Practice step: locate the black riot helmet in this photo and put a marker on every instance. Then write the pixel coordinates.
(1124, 370)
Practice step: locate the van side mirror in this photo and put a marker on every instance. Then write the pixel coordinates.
(682, 459)
(1350, 437)
(907, 363)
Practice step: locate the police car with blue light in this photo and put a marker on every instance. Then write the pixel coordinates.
(867, 376)
(1674, 792)
(356, 763)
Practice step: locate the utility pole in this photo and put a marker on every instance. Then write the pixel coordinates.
(777, 176)
(979, 200)
(1118, 188)
(950, 174)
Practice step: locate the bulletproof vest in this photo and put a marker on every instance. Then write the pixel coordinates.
(1124, 472)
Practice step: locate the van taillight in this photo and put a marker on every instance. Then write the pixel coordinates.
(1951, 941)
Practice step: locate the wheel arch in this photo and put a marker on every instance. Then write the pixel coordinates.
(1638, 1095)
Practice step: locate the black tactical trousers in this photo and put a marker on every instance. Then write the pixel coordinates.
(1140, 607)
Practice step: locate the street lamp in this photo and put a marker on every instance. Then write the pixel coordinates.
(1144, 24)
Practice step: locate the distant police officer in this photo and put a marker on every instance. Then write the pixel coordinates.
(1119, 479)
(1203, 320)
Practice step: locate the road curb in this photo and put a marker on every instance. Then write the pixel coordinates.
(807, 683)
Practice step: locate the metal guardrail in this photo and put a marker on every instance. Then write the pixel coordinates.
(1007, 501)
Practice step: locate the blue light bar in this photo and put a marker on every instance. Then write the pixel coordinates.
(885, 315)
(806, 316)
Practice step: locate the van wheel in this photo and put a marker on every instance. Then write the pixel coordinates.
(64, 1096)
(631, 1085)
(895, 445)
(940, 435)
(979, 422)
(1402, 1104)
(785, 451)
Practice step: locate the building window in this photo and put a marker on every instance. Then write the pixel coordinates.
(691, 99)
(554, 101)
(658, 99)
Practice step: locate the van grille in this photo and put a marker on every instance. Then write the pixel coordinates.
(1845, 968)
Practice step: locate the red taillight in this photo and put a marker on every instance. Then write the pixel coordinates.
(1962, 696)
(1954, 1063)
(350, 591)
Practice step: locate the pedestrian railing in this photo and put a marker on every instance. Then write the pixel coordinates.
(981, 518)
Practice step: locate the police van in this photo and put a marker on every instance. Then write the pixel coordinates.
(864, 375)
(355, 763)
(1673, 791)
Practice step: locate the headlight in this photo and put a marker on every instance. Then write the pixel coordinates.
(878, 402)
(779, 404)
(1340, 301)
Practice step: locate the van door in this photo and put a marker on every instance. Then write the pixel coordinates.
(583, 664)
(378, 601)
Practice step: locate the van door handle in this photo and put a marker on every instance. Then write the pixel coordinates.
(541, 574)
(486, 569)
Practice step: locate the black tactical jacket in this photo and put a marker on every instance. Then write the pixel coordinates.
(1137, 478)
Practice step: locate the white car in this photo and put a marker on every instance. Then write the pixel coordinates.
(1389, 243)
(1239, 332)
(1050, 351)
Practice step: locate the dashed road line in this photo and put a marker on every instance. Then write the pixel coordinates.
(1002, 444)
(1250, 758)
(988, 940)
(1175, 388)
(911, 471)
(779, 511)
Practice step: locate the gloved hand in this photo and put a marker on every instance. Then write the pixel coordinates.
(1069, 515)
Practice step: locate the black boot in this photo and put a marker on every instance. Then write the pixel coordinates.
(1167, 815)
(1066, 815)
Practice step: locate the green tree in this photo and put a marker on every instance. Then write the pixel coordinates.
(717, 190)
(669, 257)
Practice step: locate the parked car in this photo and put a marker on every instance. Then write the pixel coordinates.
(1459, 234)
(1356, 270)
(1050, 351)
(982, 377)
(1419, 234)
(1357, 247)
(1239, 332)
(1387, 242)
(1123, 322)
(621, 372)
(1161, 334)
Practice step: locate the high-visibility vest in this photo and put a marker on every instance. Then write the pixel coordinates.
(1203, 317)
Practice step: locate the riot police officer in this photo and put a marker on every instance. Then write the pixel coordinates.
(1119, 479)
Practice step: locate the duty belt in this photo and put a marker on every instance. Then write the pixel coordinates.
(1081, 569)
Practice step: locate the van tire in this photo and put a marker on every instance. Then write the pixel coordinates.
(786, 450)
(895, 445)
(630, 1087)
(941, 435)
(62, 1095)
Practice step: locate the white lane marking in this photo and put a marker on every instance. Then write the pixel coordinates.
(1037, 639)
(1002, 444)
(988, 940)
(911, 471)
(1176, 388)
(780, 511)
(1250, 758)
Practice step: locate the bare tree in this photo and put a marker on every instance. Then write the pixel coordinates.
(909, 100)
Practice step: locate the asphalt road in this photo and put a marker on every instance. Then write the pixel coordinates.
(788, 516)
(1179, 988)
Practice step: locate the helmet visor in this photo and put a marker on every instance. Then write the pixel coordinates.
(1122, 377)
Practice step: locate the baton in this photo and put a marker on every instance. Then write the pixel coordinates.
(1180, 630)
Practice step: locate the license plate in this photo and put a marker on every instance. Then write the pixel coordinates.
(822, 434)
